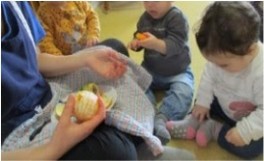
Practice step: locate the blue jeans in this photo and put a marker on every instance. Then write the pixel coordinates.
(254, 149)
(178, 94)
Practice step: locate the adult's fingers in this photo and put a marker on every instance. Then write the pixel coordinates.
(97, 119)
(68, 109)
(117, 58)
(101, 107)
(119, 67)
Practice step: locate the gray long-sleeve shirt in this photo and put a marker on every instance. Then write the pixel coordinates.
(173, 29)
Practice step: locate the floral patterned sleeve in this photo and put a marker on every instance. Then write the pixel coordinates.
(93, 24)
(47, 44)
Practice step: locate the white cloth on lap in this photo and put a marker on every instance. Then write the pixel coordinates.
(133, 113)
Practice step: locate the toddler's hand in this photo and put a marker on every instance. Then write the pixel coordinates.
(148, 42)
(92, 41)
(234, 137)
(133, 45)
(200, 112)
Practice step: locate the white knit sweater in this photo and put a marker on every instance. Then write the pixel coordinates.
(239, 94)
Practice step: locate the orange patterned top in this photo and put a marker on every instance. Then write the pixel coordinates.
(67, 26)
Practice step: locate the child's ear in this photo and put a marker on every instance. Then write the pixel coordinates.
(253, 48)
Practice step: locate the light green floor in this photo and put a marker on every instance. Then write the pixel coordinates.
(120, 22)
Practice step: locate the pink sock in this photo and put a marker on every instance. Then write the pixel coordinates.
(207, 131)
(184, 129)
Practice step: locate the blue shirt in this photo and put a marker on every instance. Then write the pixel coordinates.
(23, 87)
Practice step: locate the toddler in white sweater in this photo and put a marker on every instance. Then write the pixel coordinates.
(229, 102)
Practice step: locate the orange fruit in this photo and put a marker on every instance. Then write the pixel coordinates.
(141, 36)
(86, 105)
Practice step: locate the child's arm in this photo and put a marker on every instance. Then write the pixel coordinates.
(251, 127)
(176, 40)
(92, 20)
(47, 44)
(205, 94)
(241, 136)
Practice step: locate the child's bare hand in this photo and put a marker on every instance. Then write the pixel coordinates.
(92, 41)
(149, 42)
(133, 45)
(234, 137)
(200, 112)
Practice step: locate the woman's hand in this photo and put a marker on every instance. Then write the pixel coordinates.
(66, 135)
(200, 112)
(233, 137)
(106, 62)
(69, 133)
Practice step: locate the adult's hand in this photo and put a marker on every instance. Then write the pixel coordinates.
(106, 62)
(69, 133)
(66, 135)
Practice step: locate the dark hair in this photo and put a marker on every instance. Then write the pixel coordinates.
(258, 5)
(228, 27)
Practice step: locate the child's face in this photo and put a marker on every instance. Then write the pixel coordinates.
(230, 62)
(157, 9)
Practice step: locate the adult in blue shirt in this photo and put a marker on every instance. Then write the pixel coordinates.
(24, 88)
